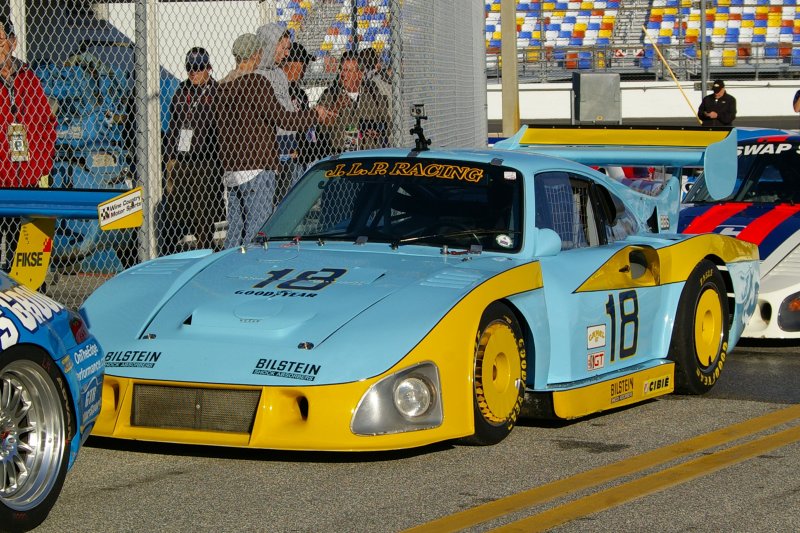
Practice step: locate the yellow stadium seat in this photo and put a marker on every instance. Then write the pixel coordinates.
(497, 35)
(665, 32)
(495, 7)
(729, 58)
(604, 33)
(326, 46)
(748, 23)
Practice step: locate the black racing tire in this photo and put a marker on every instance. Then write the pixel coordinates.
(499, 373)
(700, 336)
(36, 426)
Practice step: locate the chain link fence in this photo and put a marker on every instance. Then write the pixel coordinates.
(216, 108)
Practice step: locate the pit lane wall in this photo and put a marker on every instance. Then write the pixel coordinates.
(759, 103)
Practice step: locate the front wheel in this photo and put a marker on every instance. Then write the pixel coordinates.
(499, 373)
(700, 336)
(35, 418)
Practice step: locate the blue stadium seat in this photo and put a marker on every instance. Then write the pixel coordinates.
(796, 56)
(771, 51)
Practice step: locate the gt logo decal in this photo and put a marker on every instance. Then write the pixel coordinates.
(309, 280)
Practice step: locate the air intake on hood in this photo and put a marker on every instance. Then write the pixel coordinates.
(451, 279)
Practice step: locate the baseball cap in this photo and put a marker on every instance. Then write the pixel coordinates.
(298, 53)
(246, 45)
(197, 59)
(719, 84)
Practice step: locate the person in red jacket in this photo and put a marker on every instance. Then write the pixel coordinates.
(27, 130)
(27, 123)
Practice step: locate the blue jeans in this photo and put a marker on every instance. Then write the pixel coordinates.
(249, 207)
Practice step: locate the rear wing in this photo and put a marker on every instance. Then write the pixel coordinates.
(712, 149)
(39, 209)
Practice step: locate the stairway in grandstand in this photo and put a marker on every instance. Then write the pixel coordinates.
(631, 16)
(322, 15)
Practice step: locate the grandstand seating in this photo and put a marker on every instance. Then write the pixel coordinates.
(371, 27)
(735, 29)
(555, 24)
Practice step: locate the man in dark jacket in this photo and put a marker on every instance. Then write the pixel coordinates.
(719, 108)
(193, 186)
(297, 147)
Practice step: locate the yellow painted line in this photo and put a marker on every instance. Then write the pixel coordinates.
(649, 484)
(598, 476)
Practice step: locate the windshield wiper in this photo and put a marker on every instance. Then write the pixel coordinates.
(462, 233)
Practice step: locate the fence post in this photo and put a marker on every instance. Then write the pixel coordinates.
(148, 123)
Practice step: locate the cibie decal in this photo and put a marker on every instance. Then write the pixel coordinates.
(651, 386)
(402, 168)
(287, 369)
(595, 337)
(595, 361)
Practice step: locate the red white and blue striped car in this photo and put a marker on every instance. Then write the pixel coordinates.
(763, 209)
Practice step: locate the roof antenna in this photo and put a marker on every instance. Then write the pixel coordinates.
(418, 113)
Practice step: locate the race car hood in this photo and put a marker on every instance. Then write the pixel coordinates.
(774, 228)
(285, 316)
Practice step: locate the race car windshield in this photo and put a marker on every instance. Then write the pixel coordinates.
(767, 173)
(403, 201)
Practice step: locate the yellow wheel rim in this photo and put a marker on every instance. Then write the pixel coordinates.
(497, 372)
(707, 328)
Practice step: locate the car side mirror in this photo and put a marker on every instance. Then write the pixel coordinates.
(548, 242)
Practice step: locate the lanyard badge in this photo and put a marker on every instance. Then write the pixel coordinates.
(18, 142)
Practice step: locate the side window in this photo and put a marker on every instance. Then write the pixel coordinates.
(564, 204)
(618, 222)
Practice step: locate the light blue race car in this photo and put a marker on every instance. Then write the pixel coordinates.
(401, 297)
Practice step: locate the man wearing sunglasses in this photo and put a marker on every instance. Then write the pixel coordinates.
(194, 193)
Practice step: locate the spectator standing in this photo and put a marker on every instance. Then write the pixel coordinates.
(718, 108)
(27, 132)
(374, 72)
(362, 112)
(247, 50)
(796, 102)
(249, 113)
(193, 188)
(299, 146)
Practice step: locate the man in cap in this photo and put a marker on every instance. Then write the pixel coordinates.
(718, 108)
(193, 189)
(27, 130)
(297, 147)
(250, 111)
(247, 51)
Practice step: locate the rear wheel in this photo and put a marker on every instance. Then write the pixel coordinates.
(700, 336)
(499, 374)
(35, 419)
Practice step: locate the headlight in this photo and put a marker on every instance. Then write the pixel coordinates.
(412, 397)
(408, 400)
